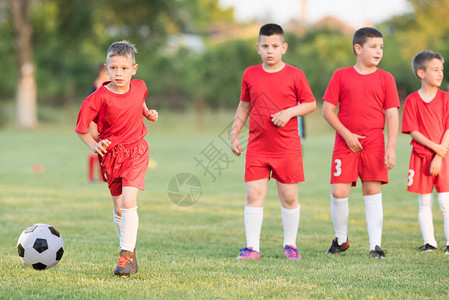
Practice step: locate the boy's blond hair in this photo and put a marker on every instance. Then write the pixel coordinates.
(420, 60)
(122, 48)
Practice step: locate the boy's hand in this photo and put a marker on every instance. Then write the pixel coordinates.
(281, 118)
(435, 166)
(100, 148)
(151, 115)
(353, 143)
(236, 147)
(441, 150)
(390, 158)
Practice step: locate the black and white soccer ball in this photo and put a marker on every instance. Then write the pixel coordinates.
(40, 246)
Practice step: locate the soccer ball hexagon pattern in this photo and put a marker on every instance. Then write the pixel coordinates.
(40, 246)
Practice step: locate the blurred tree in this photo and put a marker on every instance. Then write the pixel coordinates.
(26, 85)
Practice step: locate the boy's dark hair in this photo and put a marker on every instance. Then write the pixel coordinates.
(271, 29)
(420, 60)
(362, 34)
(122, 48)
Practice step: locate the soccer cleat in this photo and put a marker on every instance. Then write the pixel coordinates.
(291, 252)
(447, 250)
(427, 248)
(377, 252)
(336, 248)
(248, 253)
(124, 267)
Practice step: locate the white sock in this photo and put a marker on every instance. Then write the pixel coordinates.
(290, 221)
(443, 199)
(340, 216)
(117, 222)
(374, 219)
(130, 223)
(253, 225)
(425, 219)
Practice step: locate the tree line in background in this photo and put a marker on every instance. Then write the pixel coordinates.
(69, 38)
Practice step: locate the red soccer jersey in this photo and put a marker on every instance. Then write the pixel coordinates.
(119, 116)
(270, 93)
(363, 99)
(430, 119)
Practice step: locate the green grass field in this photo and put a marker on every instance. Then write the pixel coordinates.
(189, 252)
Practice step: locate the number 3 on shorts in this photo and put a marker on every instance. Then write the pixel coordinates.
(411, 174)
(337, 167)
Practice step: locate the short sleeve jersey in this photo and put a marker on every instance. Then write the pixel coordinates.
(430, 119)
(270, 93)
(362, 99)
(119, 116)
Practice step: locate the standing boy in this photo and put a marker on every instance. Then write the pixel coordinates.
(426, 119)
(365, 95)
(116, 107)
(270, 95)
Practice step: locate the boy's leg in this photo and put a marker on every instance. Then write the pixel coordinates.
(443, 199)
(129, 219)
(425, 219)
(255, 191)
(372, 195)
(117, 213)
(290, 211)
(340, 210)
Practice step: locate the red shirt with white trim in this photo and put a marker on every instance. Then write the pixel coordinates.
(430, 119)
(362, 99)
(119, 116)
(270, 93)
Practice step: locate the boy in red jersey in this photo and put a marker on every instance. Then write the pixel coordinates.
(426, 119)
(116, 107)
(270, 95)
(365, 95)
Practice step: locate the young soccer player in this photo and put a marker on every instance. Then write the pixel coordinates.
(116, 107)
(270, 95)
(365, 95)
(426, 119)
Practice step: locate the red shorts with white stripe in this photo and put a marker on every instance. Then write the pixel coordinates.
(419, 178)
(126, 165)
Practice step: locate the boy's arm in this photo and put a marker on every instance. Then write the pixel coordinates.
(435, 165)
(281, 118)
(439, 149)
(240, 118)
(99, 147)
(351, 139)
(392, 116)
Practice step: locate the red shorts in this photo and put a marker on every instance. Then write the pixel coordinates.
(283, 169)
(348, 166)
(126, 166)
(419, 178)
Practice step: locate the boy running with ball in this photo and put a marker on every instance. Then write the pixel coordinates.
(116, 107)
(270, 95)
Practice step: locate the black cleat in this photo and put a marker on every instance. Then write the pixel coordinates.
(377, 253)
(427, 248)
(125, 264)
(336, 248)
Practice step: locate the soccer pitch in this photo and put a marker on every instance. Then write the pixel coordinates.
(189, 251)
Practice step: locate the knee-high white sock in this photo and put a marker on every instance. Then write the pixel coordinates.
(443, 199)
(253, 226)
(374, 219)
(290, 221)
(340, 215)
(117, 222)
(425, 219)
(130, 223)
